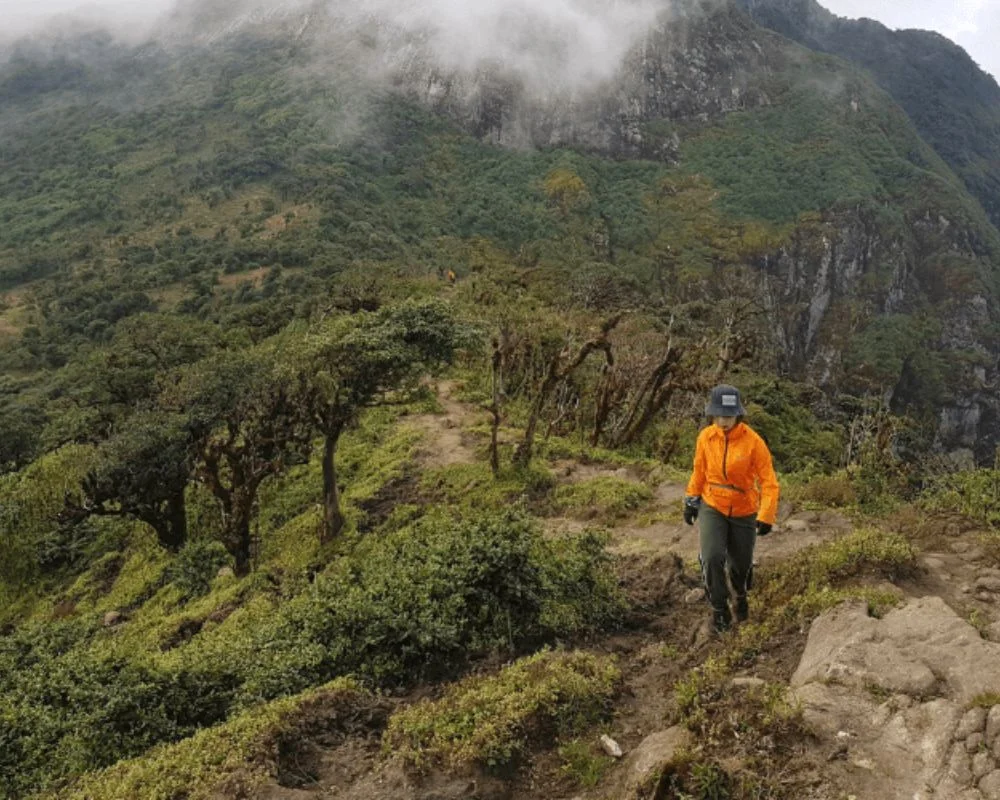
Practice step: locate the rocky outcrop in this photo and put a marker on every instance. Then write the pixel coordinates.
(904, 703)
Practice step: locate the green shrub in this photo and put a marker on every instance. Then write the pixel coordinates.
(196, 565)
(492, 720)
(972, 493)
(67, 711)
(827, 491)
(417, 603)
(241, 753)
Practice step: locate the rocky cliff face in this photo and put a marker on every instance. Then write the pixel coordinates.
(864, 301)
(887, 285)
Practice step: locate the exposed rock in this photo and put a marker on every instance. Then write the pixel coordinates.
(960, 766)
(610, 746)
(989, 786)
(988, 583)
(974, 721)
(113, 618)
(695, 596)
(796, 525)
(982, 764)
(905, 652)
(225, 572)
(993, 724)
(925, 747)
(654, 753)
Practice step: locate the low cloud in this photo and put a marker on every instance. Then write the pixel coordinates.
(564, 43)
(557, 43)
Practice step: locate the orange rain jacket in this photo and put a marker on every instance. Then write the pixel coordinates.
(733, 473)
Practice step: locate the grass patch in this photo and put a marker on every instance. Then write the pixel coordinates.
(234, 757)
(605, 498)
(986, 700)
(583, 764)
(492, 721)
(824, 491)
(473, 486)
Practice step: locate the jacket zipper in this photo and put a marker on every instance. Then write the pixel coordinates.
(725, 455)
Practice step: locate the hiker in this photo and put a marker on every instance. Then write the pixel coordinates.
(733, 492)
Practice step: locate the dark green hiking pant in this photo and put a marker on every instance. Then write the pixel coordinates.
(726, 546)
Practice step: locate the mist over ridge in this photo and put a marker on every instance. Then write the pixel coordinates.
(556, 44)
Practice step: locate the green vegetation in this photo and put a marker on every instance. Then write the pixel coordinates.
(951, 101)
(220, 310)
(605, 498)
(796, 592)
(414, 604)
(492, 720)
(974, 494)
(240, 754)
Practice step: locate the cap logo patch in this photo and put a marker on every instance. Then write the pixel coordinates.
(729, 400)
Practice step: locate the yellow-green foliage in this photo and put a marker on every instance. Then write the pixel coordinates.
(491, 720)
(972, 493)
(601, 498)
(140, 574)
(473, 485)
(375, 453)
(986, 700)
(244, 750)
(823, 491)
(865, 550)
(29, 503)
(583, 763)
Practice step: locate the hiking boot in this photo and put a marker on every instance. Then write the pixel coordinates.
(742, 609)
(721, 620)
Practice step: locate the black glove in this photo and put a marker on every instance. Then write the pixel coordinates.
(692, 505)
(763, 529)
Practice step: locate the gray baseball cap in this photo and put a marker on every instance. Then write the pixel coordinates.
(725, 402)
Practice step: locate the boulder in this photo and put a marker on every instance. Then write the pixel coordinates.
(924, 740)
(908, 651)
(989, 786)
(653, 754)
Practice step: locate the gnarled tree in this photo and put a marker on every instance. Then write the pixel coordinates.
(345, 364)
(247, 426)
(141, 472)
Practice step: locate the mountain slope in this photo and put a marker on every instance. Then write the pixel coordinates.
(297, 142)
(953, 103)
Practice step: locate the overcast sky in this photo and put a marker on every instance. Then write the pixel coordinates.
(973, 24)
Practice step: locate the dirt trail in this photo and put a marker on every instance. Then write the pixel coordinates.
(444, 442)
(666, 637)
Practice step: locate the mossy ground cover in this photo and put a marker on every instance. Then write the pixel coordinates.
(605, 498)
(493, 721)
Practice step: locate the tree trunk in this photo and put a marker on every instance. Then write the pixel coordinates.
(174, 533)
(239, 535)
(497, 365)
(333, 517)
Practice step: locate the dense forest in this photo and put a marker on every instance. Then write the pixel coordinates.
(233, 287)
